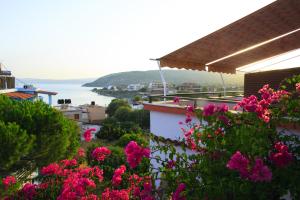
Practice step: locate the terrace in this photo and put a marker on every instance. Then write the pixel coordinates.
(265, 34)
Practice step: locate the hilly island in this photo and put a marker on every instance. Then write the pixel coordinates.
(176, 77)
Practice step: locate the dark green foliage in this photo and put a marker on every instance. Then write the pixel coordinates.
(123, 114)
(112, 129)
(125, 139)
(56, 137)
(114, 105)
(141, 117)
(15, 143)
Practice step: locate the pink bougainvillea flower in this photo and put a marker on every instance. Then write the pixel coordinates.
(29, 190)
(100, 153)
(177, 194)
(260, 172)
(282, 157)
(51, 169)
(115, 194)
(97, 172)
(188, 118)
(222, 108)
(171, 164)
(190, 108)
(209, 109)
(88, 134)
(297, 87)
(176, 99)
(81, 152)
(69, 163)
(90, 197)
(117, 177)
(240, 163)
(135, 153)
(8, 181)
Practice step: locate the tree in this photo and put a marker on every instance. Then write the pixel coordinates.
(53, 136)
(114, 105)
(123, 113)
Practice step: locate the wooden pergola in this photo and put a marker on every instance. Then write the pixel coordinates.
(267, 32)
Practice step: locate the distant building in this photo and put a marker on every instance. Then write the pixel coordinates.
(27, 92)
(156, 87)
(134, 87)
(189, 87)
(112, 87)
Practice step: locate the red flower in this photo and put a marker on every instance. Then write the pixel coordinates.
(100, 153)
(282, 157)
(135, 153)
(8, 181)
(240, 163)
(176, 99)
(51, 169)
(260, 172)
(117, 177)
(88, 134)
(177, 194)
(29, 190)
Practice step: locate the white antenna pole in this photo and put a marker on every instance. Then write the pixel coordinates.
(162, 77)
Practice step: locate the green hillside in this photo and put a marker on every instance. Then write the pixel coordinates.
(172, 76)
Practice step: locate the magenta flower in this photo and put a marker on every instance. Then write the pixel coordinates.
(88, 134)
(100, 153)
(176, 99)
(282, 157)
(260, 172)
(190, 108)
(188, 118)
(51, 169)
(135, 153)
(297, 87)
(209, 109)
(8, 181)
(117, 177)
(177, 194)
(240, 163)
(29, 190)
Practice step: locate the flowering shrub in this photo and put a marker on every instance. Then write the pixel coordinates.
(228, 155)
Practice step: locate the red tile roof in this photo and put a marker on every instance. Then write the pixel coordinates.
(19, 95)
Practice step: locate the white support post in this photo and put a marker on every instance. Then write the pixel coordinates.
(224, 86)
(50, 99)
(162, 79)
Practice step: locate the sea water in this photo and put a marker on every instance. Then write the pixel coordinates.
(79, 95)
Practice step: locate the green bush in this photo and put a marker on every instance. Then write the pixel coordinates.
(123, 113)
(15, 143)
(125, 139)
(114, 105)
(56, 137)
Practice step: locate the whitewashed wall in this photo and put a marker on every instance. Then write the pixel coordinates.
(167, 124)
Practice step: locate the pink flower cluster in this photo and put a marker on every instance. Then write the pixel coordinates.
(29, 191)
(81, 152)
(51, 169)
(211, 109)
(8, 181)
(109, 194)
(297, 87)
(282, 157)
(260, 107)
(117, 177)
(258, 173)
(88, 134)
(135, 153)
(177, 194)
(100, 153)
(176, 99)
(69, 163)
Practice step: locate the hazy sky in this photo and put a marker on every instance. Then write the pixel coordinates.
(61, 39)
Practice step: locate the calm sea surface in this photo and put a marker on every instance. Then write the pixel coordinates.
(78, 95)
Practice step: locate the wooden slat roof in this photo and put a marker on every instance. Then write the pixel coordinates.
(19, 95)
(271, 21)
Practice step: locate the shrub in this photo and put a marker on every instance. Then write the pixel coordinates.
(56, 137)
(114, 105)
(125, 139)
(123, 114)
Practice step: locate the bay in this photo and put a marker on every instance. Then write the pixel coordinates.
(79, 95)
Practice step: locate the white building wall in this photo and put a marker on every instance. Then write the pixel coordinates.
(167, 124)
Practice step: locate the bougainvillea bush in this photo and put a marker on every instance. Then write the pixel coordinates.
(238, 154)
